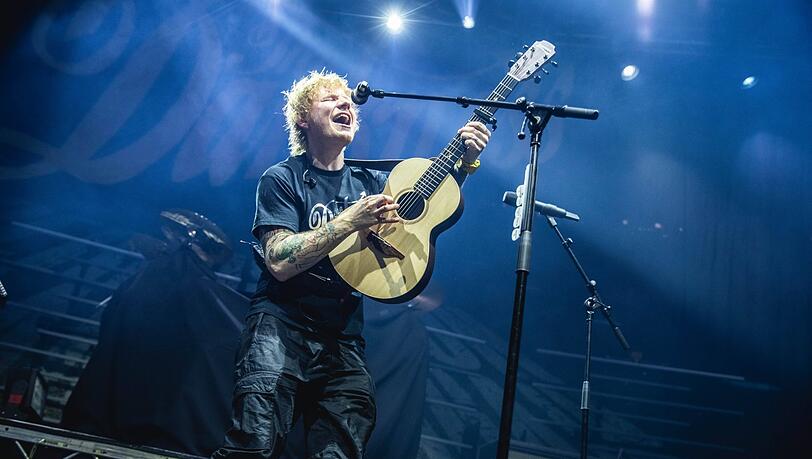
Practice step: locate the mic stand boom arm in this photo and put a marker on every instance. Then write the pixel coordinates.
(590, 284)
(561, 111)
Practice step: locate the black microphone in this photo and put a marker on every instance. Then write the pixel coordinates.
(542, 207)
(308, 180)
(361, 93)
(565, 111)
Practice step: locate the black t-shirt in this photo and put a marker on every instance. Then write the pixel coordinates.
(296, 195)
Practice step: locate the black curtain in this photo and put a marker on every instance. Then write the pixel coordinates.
(161, 373)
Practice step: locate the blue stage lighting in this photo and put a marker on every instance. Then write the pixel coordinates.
(468, 22)
(629, 72)
(749, 82)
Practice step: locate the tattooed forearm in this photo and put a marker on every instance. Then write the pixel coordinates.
(314, 243)
(288, 249)
(288, 253)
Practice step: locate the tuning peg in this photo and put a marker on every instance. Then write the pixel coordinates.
(545, 71)
(518, 55)
(510, 63)
(525, 47)
(555, 64)
(537, 79)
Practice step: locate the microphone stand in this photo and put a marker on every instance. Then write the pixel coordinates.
(536, 120)
(592, 303)
(536, 117)
(364, 92)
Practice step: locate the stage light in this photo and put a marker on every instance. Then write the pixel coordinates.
(394, 22)
(629, 72)
(749, 82)
(468, 22)
(645, 8)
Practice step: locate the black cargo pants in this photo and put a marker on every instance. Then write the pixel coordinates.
(283, 372)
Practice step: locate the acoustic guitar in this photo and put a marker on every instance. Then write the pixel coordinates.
(393, 262)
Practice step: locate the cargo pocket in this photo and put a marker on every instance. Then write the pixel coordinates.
(261, 382)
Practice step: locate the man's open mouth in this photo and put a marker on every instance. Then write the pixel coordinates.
(343, 119)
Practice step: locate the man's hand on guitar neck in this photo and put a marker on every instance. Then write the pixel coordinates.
(288, 254)
(476, 136)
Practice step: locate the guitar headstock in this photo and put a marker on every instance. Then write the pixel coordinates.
(532, 60)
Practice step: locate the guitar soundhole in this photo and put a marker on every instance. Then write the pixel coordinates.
(411, 205)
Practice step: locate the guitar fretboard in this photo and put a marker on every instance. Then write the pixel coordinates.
(442, 166)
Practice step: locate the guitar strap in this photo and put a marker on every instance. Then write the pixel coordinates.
(384, 165)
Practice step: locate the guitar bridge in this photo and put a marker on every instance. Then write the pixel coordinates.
(385, 248)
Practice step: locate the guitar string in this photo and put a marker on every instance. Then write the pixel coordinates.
(438, 176)
(432, 176)
(457, 144)
(435, 177)
(447, 160)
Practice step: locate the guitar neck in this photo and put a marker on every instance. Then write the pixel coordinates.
(453, 151)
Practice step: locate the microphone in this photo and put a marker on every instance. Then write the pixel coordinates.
(565, 111)
(308, 180)
(542, 207)
(361, 93)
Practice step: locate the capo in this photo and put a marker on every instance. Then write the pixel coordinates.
(487, 117)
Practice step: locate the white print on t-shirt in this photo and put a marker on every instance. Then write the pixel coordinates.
(320, 215)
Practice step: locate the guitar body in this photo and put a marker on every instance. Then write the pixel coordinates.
(378, 273)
